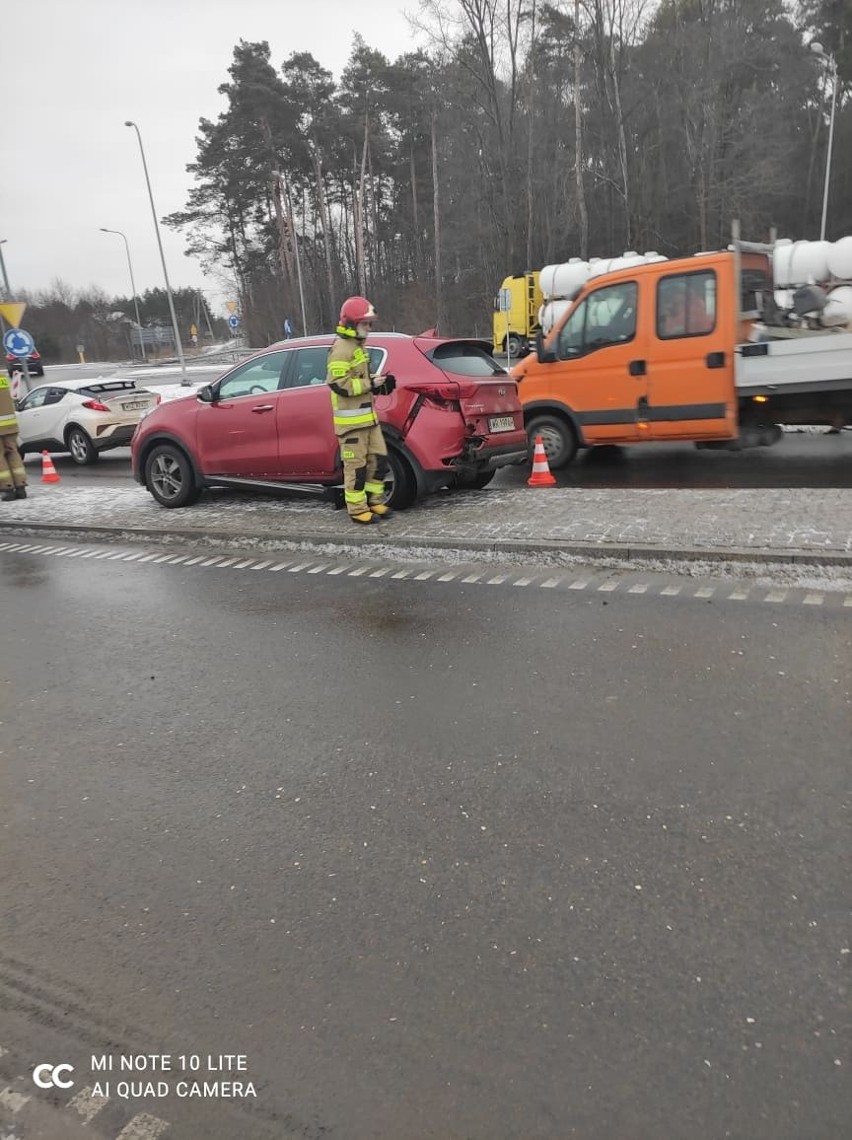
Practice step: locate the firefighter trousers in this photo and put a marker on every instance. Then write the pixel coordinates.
(365, 464)
(12, 473)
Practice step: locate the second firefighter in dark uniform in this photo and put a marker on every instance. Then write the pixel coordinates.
(362, 445)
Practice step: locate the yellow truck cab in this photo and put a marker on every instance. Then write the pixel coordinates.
(648, 353)
(515, 316)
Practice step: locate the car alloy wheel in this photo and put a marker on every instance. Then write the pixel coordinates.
(169, 477)
(81, 447)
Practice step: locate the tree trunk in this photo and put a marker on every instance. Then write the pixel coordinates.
(439, 292)
(578, 141)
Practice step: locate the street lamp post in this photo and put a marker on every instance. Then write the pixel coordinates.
(7, 290)
(819, 50)
(104, 230)
(185, 378)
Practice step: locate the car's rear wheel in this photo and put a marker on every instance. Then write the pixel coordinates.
(475, 482)
(169, 477)
(400, 483)
(557, 435)
(79, 444)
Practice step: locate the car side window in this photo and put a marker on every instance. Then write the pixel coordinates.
(253, 378)
(686, 305)
(54, 395)
(308, 367)
(33, 399)
(605, 317)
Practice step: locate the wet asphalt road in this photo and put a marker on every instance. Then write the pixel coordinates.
(442, 861)
(799, 460)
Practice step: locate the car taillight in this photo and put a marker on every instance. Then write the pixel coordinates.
(159, 398)
(96, 406)
(438, 397)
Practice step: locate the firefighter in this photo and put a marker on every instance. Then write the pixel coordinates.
(362, 445)
(13, 478)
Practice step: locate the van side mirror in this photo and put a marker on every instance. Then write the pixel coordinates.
(545, 355)
(207, 394)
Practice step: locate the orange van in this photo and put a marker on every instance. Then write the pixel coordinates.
(646, 354)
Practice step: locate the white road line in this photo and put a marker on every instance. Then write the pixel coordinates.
(118, 554)
(497, 581)
(357, 572)
(262, 565)
(246, 562)
(143, 1127)
(298, 567)
(580, 584)
(176, 559)
(776, 596)
(670, 591)
(473, 577)
(550, 583)
(212, 561)
(340, 569)
(738, 596)
(193, 561)
(5, 545)
(705, 592)
(103, 554)
(522, 581)
(227, 562)
(609, 586)
(131, 557)
(639, 588)
(813, 599)
(87, 1105)
(380, 573)
(162, 558)
(147, 558)
(12, 1100)
(3, 1051)
(448, 577)
(401, 574)
(318, 569)
(847, 601)
(423, 575)
(280, 566)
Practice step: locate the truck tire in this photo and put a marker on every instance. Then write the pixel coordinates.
(558, 437)
(515, 345)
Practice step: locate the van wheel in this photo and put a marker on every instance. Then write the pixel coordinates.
(557, 435)
(400, 484)
(169, 477)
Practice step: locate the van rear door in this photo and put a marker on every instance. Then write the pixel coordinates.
(690, 369)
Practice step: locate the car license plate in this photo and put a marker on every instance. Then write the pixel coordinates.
(135, 407)
(501, 423)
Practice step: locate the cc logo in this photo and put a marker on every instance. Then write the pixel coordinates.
(50, 1076)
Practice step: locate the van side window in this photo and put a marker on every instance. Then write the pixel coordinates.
(686, 305)
(605, 317)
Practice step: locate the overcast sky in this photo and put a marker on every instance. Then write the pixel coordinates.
(74, 70)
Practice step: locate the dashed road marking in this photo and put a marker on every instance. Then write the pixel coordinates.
(622, 583)
(86, 1104)
(143, 1127)
(12, 1100)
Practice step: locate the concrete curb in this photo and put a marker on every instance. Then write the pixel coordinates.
(521, 550)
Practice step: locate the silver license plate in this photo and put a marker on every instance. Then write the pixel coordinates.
(137, 407)
(501, 423)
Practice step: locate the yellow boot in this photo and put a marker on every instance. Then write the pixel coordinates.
(381, 510)
(364, 517)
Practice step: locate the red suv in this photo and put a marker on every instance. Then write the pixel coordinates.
(454, 418)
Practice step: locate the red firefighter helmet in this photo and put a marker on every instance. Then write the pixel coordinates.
(354, 310)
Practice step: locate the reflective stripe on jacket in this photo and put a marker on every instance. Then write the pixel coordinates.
(8, 419)
(348, 377)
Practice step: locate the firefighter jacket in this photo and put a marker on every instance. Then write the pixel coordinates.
(351, 386)
(8, 419)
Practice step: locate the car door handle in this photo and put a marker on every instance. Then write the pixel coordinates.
(263, 407)
(638, 367)
(715, 360)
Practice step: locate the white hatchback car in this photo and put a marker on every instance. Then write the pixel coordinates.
(83, 417)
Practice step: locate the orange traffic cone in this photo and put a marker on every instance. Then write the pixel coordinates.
(48, 471)
(541, 473)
